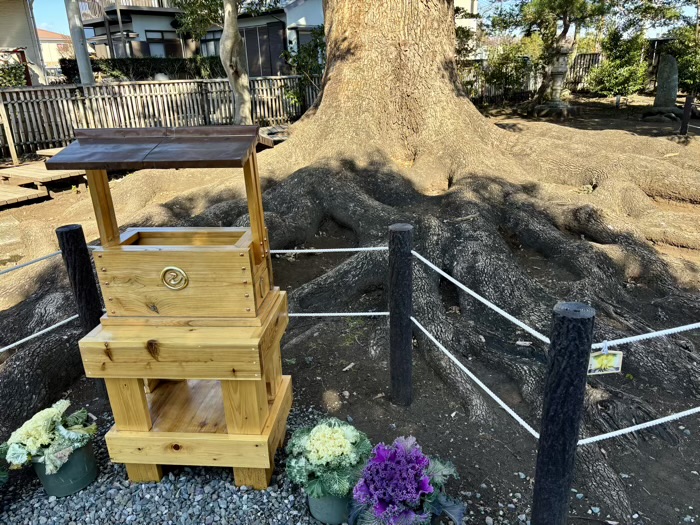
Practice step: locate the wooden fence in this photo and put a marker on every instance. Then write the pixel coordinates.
(45, 117)
(584, 63)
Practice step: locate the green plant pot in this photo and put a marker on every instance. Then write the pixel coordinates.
(330, 510)
(77, 473)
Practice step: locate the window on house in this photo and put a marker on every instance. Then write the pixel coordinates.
(209, 45)
(305, 36)
(163, 43)
(264, 46)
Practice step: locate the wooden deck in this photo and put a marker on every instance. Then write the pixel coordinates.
(49, 152)
(36, 173)
(13, 194)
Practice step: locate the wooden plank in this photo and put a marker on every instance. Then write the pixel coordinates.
(170, 359)
(128, 401)
(50, 152)
(218, 285)
(98, 183)
(36, 172)
(275, 430)
(245, 406)
(271, 303)
(8, 132)
(189, 407)
(255, 206)
(14, 194)
(178, 448)
(144, 473)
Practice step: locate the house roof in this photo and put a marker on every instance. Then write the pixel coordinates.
(45, 35)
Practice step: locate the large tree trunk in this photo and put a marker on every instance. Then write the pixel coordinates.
(233, 59)
(526, 216)
(392, 138)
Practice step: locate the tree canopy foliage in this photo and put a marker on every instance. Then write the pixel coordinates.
(197, 16)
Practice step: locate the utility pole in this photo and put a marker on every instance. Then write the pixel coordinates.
(77, 34)
(122, 39)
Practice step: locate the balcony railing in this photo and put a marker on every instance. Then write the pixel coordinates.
(91, 9)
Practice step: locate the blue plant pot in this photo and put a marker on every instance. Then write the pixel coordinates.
(330, 510)
(77, 473)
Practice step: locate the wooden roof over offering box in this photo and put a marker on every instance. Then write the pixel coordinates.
(160, 148)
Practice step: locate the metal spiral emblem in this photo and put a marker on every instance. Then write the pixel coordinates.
(174, 278)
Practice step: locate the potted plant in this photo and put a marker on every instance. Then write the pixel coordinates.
(59, 448)
(401, 485)
(326, 461)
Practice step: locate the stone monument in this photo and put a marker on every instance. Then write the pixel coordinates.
(666, 83)
(556, 107)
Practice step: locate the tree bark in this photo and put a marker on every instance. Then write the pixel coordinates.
(233, 59)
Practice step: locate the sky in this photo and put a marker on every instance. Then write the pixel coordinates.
(51, 15)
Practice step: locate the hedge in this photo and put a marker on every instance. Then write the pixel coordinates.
(12, 75)
(147, 68)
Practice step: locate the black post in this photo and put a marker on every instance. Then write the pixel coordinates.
(400, 312)
(564, 391)
(687, 113)
(82, 279)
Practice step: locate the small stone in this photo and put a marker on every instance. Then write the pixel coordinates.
(488, 520)
(595, 510)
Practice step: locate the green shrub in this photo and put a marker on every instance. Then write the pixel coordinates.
(12, 75)
(623, 72)
(687, 54)
(612, 78)
(147, 68)
(309, 62)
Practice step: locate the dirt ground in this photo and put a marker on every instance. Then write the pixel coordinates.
(340, 366)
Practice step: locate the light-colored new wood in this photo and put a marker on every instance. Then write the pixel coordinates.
(36, 173)
(129, 406)
(245, 405)
(223, 280)
(275, 430)
(177, 448)
(172, 353)
(98, 183)
(255, 207)
(144, 473)
(188, 407)
(202, 448)
(270, 303)
(8, 134)
(49, 152)
(149, 385)
(13, 194)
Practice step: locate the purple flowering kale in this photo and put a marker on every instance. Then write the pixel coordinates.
(395, 483)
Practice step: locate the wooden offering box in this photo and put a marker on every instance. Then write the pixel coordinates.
(190, 346)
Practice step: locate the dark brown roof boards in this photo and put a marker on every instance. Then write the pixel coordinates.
(160, 148)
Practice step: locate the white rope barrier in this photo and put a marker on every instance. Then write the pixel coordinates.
(483, 300)
(333, 250)
(476, 380)
(341, 314)
(24, 265)
(641, 426)
(644, 337)
(39, 333)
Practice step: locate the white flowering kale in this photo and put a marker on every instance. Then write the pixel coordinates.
(327, 459)
(49, 437)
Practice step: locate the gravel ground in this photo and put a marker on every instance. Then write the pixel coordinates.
(185, 496)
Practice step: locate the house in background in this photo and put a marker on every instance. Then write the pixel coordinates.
(471, 7)
(150, 30)
(54, 47)
(18, 38)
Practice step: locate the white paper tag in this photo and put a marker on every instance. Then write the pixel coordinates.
(605, 363)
